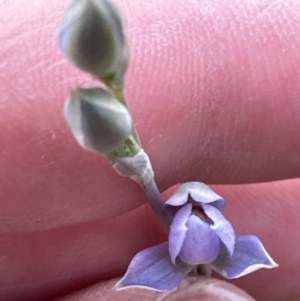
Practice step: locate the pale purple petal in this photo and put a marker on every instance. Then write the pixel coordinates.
(249, 255)
(152, 268)
(178, 230)
(199, 192)
(201, 244)
(221, 227)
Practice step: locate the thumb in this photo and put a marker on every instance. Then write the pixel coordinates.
(191, 289)
(207, 289)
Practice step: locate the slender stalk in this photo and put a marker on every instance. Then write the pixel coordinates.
(157, 204)
(203, 269)
(119, 94)
(138, 168)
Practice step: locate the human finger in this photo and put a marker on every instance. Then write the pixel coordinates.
(70, 258)
(192, 289)
(213, 88)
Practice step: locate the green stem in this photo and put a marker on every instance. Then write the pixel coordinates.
(119, 94)
(128, 148)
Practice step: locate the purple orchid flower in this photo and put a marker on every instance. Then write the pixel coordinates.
(199, 235)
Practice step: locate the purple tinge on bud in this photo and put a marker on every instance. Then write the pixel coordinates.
(91, 36)
(199, 234)
(97, 119)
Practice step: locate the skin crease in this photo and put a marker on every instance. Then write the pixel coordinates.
(230, 87)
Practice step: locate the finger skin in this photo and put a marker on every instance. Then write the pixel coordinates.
(48, 264)
(270, 211)
(55, 262)
(191, 289)
(105, 291)
(214, 89)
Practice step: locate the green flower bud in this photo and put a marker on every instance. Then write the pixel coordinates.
(97, 119)
(92, 38)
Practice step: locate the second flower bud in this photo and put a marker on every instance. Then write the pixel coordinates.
(97, 119)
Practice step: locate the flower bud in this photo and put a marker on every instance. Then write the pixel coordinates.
(98, 120)
(91, 36)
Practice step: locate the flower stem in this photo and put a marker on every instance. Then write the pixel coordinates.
(157, 204)
(149, 187)
(119, 94)
(203, 269)
(139, 169)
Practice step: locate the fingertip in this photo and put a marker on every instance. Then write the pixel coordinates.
(207, 289)
(191, 289)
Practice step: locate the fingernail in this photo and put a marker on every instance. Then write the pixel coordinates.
(207, 289)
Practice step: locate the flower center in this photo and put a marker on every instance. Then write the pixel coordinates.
(199, 212)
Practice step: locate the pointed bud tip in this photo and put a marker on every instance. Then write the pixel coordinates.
(91, 36)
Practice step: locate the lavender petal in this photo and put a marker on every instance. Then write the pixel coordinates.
(152, 268)
(201, 244)
(178, 230)
(221, 227)
(249, 255)
(199, 192)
